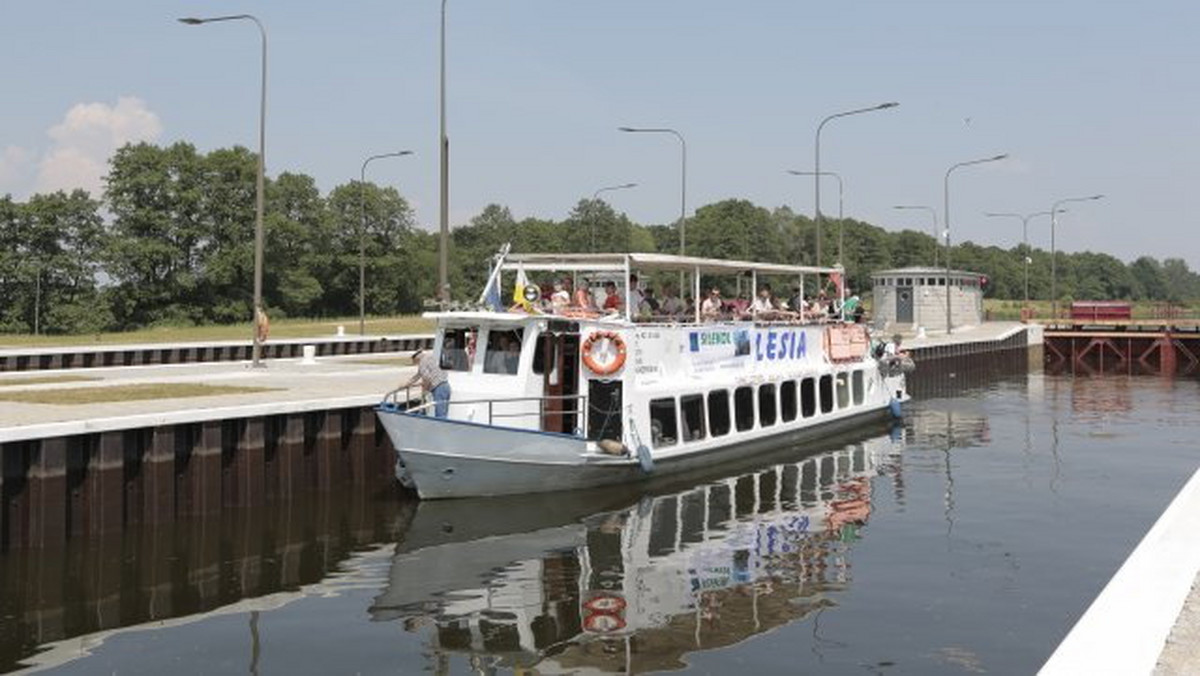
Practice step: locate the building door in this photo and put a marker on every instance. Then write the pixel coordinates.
(904, 305)
(558, 359)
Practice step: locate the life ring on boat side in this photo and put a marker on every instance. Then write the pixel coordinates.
(589, 359)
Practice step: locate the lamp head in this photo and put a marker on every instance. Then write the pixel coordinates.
(191, 21)
(889, 104)
(626, 129)
(999, 157)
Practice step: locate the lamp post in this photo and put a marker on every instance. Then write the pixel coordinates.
(946, 217)
(443, 291)
(682, 175)
(595, 197)
(256, 351)
(817, 164)
(1053, 252)
(933, 216)
(841, 203)
(1024, 237)
(362, 237)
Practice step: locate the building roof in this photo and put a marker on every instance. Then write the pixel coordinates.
(924, 272)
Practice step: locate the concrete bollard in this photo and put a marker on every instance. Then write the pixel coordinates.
(341, 331)
(310, 355)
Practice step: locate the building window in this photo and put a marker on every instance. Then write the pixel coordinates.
(787, 401)
(718, 412)
(857, 381)
(825, 387)
(808, 398)
(692, 409)
(662, 422)
(766, 405)
(458, 349)
(743, 408)
(843, 390)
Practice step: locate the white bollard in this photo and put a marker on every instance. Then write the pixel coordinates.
(341, 331)
(310, 354)
(920, 332)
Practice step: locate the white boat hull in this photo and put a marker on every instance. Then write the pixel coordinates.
(455, 459)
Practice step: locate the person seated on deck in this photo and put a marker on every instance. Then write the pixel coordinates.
(740, 307)
(512, 357)
(648, 309)
(671, 307)
(560, 300)
(583, 297)
(852, 309)
(766, 306)
(612, 299)
(797, 303)
(635, 292)
(712, 309)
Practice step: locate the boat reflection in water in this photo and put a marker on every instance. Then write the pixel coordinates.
(575, 584)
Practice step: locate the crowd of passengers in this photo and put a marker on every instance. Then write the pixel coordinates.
(559, 298)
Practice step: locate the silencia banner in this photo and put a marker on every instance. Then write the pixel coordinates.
(791, 344)
(718, 348)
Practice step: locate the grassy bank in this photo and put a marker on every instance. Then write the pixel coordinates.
(283, 328)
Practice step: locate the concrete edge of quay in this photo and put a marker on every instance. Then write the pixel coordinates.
(149, 420)
(1126, 627)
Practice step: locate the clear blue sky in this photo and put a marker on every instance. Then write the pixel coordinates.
(1095, 96)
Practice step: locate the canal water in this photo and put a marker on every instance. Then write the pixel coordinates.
(967, 539)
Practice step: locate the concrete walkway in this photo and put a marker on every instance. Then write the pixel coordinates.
(968, 334)
(331, 382)
(1128, 626)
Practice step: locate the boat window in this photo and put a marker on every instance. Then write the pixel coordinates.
(843, 390)
(458, 349)
(503, 351)
(808, 398)
(662, 422)
(826, 389)
(718, 412)
(766, 405)
(787, 401)
(857, 380)
(743, 408)
(692, 408)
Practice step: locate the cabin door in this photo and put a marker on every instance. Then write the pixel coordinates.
(559, 353)
(904, 305)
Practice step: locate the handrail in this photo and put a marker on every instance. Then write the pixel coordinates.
(391, 398)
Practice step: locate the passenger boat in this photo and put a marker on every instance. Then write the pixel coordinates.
(548, 401)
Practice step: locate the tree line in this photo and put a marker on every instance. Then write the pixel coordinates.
(171, 241)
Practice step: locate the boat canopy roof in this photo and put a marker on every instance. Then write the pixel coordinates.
(580, 262)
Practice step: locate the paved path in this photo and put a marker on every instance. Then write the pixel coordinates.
(332, 382)
(969, 334)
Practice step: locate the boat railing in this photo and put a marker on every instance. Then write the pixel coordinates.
(401, 397)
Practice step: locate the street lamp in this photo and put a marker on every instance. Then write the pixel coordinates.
(595, 197)
(1053, 254)
(443, 290)
(1024, 237)
(682, 174)
(817, 165)
(841, 203)
(946, 216)
(256, 351)
(933, 216)
(362, 237)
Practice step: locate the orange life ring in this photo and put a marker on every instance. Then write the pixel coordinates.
(590, 361)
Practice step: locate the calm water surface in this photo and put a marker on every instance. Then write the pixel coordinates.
(967, 540)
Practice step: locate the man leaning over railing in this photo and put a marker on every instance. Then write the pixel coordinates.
(433, 380)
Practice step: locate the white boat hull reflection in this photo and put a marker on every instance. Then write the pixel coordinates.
(565, 583)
